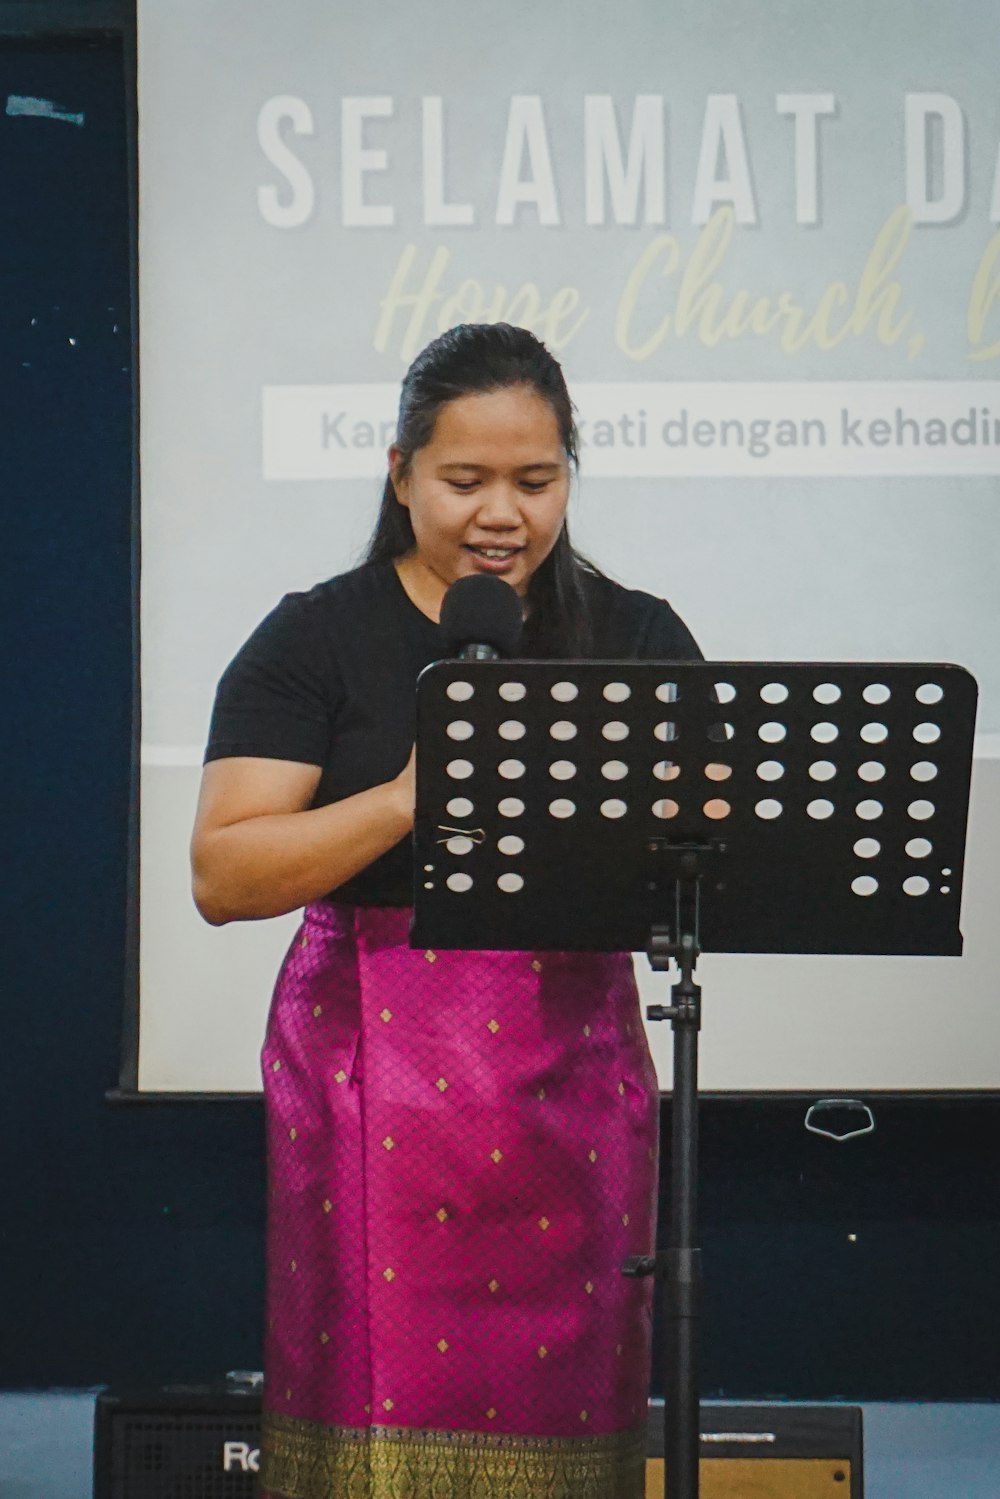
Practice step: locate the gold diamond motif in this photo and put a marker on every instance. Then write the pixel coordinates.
(441, 1215)
(275, 1066)
(340, 1077)
(493, 1025)
(491, 1413)
(385, 1015)
(536, 965)
(541, 1094)
(389, 1143)
(592, 1157)
(317, 1011)
(388, 1405)
(442, 1346)
(543, 1224)
(324, 1337)
(625, 1219)
(589, 1288)
(368, 1410)
(294, 1266)
(441, 1085)
(389, 1273)
(543, 1352)
(288, 1394)
(327, 1205)
(586, 1030)
(621, 1089)
(584, 1416)
(305, 940)
(431, 957)
(618, 1350)
(494, 1286)
(496, 1157)
(293, 1134)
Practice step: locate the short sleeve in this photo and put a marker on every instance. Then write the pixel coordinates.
(666, 637)
(278, 697)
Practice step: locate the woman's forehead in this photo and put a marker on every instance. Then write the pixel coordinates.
(502, 422)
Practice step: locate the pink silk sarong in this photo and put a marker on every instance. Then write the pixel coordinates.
(462, 1153)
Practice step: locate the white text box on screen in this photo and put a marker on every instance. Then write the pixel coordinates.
(790, 429)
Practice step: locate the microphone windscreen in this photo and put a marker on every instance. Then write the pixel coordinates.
(481, 610)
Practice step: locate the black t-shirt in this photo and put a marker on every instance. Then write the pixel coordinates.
(328, 679)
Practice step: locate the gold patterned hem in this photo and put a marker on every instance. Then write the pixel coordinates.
(308, 1460)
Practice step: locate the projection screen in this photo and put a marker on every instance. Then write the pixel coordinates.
(764, 246)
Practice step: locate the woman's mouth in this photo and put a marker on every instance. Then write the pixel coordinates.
(494, 558)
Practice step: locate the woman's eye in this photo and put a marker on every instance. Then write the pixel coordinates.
(534, 486)
(463, 485)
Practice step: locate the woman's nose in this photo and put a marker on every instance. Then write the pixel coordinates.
(499, 506)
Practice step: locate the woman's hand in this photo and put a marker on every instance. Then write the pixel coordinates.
(717, 807)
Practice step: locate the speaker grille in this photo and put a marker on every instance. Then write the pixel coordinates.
(182, 1456)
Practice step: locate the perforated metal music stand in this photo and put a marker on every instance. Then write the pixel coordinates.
(681, 808)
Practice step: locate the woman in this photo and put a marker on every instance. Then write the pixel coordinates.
(462, 1146)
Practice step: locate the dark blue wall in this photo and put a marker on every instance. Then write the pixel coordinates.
(131, 1235)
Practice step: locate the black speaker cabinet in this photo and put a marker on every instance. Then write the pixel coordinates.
(200, 1442)
(179, 1442)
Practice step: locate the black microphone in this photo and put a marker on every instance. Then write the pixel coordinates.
(481, 618)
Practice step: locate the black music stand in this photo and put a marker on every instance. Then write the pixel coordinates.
(681, 808)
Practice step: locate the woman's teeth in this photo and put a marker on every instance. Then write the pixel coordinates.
(496, 553)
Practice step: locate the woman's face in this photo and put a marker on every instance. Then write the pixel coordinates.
(488, 493)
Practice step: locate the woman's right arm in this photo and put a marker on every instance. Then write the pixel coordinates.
(259, 849)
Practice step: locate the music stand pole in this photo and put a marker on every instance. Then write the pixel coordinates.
(682, 1270)
(679, 1266)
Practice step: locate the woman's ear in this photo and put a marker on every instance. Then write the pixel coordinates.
(400, 481)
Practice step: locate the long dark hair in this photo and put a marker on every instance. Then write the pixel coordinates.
(471, 359)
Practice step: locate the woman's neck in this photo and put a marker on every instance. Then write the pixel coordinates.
(421, 585)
